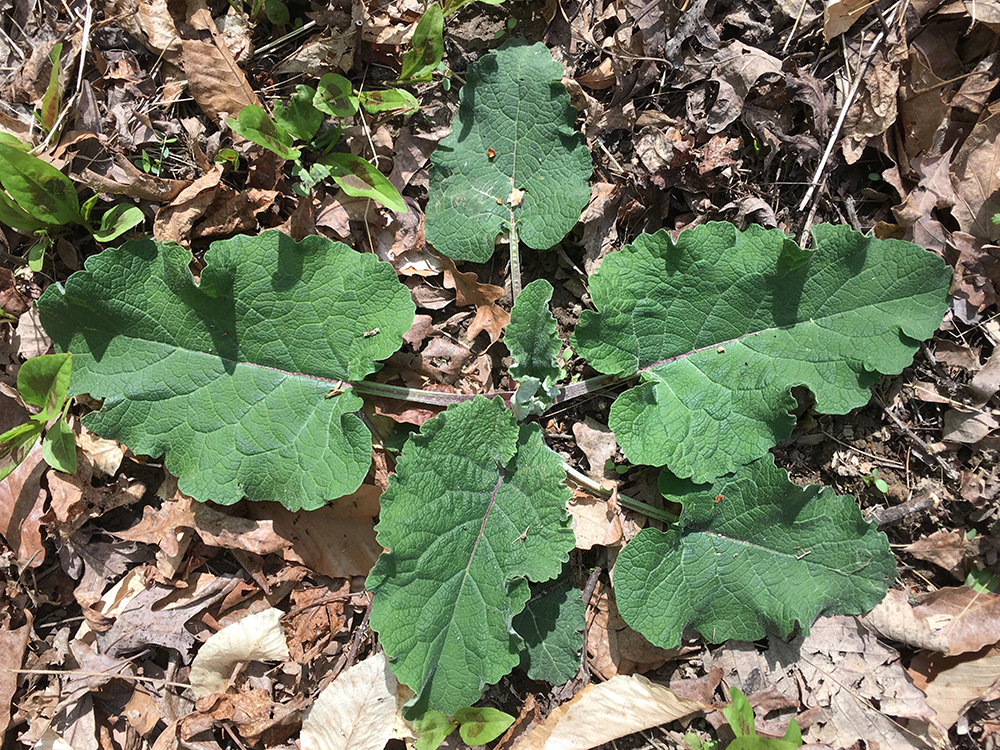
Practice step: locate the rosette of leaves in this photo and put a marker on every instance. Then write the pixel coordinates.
(242, 377)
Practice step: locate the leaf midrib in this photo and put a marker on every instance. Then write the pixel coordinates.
(690, 530)
(609, 309)
(339, 382)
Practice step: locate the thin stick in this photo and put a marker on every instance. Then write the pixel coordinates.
(921, 444)
(832, 142)
(436, 398)
(883, 461)
(588, 594)
(432, 398)
(109, 675)
(358, 635)
(795, 26)
(281, 40)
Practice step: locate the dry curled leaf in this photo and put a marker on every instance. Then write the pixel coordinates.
(357, 711)
(258, 637)
(174, 221)
(470, 291)
(954, 683)
(602, 713)
(951, 621)
(943, 548)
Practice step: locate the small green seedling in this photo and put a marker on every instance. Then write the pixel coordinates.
(739, 714)
(42, 382)
(37, 199)
(476, 726)
(619, 469)
(299, 121)
(873, 480)
(154, 164)
(694, 742)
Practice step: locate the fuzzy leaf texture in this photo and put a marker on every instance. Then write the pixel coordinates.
(513, 106)
(767, 556)
(722, 324)
(233, 377)
(551, 626)
(475, 510)
(534, 347)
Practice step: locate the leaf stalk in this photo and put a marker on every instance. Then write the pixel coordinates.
(638, 506)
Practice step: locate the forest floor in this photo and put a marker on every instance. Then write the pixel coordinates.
(693, 111)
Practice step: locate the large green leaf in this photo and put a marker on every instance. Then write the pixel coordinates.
(475, 510)
(751, 554)
(234, 378)
(722, 324)
(514, 107)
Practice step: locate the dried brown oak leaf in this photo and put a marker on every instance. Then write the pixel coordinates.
(469, 291)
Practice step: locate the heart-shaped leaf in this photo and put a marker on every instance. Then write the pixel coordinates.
(236, 377)
(722, 324)
(512, 159)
